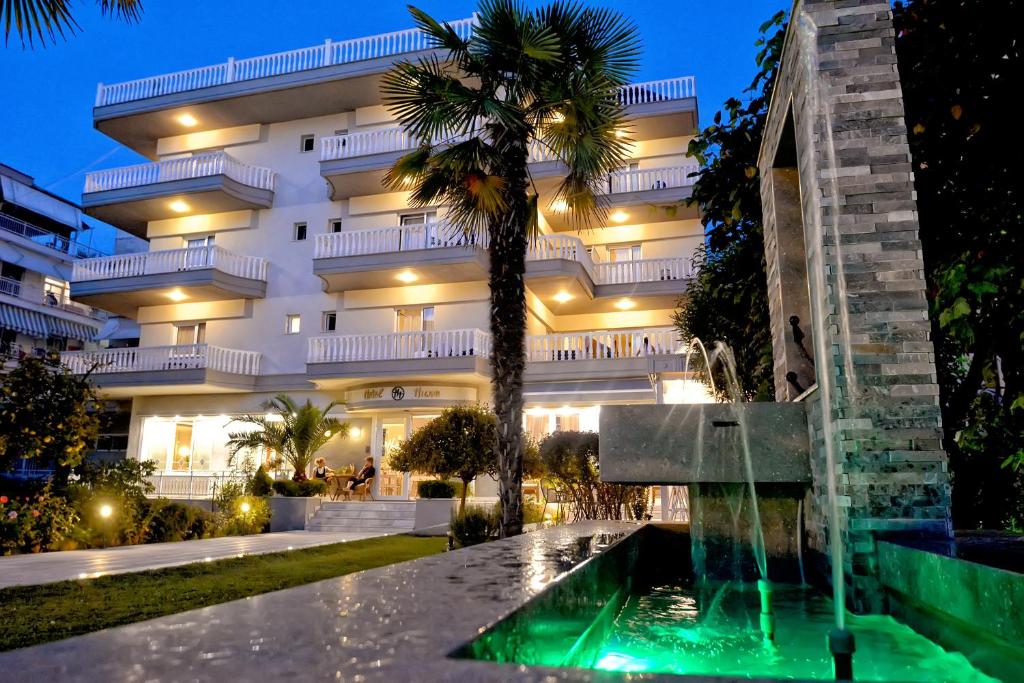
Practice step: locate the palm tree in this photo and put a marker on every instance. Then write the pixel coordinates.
(49, 19)
(546, 77)
(294, 431)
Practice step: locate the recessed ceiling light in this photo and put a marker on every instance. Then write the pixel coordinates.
(625, 304)
(407, 276)
(176, 295)
(619, 217)
(179, 206)
(187, 120)
(562, 297)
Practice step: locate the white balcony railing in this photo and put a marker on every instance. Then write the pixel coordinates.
(198, 166)
(379, 141)
(637, 180)
(152, 358)
(329, 53)
(52, 298)
(399, 346)
(658, 91)
(607, 344)
(387, 240)
(191, 485)
(60, 243)
(170, 261)
(642, 270)
(568, 346)
(10, 286)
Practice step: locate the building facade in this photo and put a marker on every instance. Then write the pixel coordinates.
(278, 262)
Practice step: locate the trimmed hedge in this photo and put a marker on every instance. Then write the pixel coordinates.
(300, 489)
(169, 521)
(435, 489)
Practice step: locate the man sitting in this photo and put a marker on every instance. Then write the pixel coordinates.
(368, 472)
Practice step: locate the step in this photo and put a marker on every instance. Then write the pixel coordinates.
(366, 514)
(315, 525)
(368, 505)
(361, 530)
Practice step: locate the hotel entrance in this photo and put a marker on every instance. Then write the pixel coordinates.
(394, 429)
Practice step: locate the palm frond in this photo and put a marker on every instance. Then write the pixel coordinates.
(50, 20)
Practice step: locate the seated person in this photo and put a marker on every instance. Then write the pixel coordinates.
(367, 472)
(322, 471)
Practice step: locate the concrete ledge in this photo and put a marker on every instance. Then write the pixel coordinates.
(292, 513)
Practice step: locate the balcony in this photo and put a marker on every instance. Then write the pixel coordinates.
(160, 370)
(49, 242)
(550, 357)
(205, 183)
(455, 354)
(123, 283)
(569, 280)
(314, 81)
(387, 257)
(41, 314)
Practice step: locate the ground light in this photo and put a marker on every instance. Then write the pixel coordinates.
(245, 507)
(106, 511)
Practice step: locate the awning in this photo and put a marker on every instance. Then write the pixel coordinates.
(117, 328)
(30, 260)
(41, 202)
(23, 320)
(42, 326)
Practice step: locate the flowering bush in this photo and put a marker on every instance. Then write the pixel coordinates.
(31, 524)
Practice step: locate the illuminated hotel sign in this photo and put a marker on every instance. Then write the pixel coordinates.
(392, 394)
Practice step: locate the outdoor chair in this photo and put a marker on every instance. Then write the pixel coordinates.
(363, 490)
(552, 496)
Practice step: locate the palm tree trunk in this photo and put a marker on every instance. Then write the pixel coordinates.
(508, 332)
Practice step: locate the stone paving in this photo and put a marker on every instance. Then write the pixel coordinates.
(22, 570)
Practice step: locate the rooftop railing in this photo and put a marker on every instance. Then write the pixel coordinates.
(328, 53)
(568, 346)
(46, 238)
(185, 168)
(170, 261)
(153, 358)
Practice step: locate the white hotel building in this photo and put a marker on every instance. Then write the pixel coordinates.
(279, 263)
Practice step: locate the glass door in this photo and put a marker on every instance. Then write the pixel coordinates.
(391, 483)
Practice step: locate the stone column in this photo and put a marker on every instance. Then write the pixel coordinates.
(839, 79)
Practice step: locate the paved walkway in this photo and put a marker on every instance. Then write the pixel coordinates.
(25, 570)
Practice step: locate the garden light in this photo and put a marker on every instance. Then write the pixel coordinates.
(106, 511)
(245, 507)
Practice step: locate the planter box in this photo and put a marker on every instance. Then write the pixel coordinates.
(291, 514)
(434, 515)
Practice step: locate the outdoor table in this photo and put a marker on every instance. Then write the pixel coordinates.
(336, 483)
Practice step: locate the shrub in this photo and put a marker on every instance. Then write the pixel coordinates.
(261, 484)
(123, 486)
(474, 525)
(246, 515)
(294, 489)
(436, 489)
(532, 512)
(32, 524)
(167, 521)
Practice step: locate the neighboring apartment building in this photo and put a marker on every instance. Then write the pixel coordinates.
(38, 248)
(279, 263)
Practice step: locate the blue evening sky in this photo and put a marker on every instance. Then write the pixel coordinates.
(49, 93)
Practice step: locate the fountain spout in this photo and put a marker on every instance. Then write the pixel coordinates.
(841, 645)
(764, 587)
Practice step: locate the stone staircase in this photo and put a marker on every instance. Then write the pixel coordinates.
(383, 517)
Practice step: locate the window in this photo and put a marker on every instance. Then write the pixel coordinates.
(619, 254)
(292, 323)
(537, 426)
(190, 333)
(334, 225)
(567, 423)
(307, 143)
(418, 218)
(199, 242)
(414, 319)
(329, 321)
(299, 232)
(55, 292)
(181, 456)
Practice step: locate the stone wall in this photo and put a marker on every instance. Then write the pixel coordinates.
(866, 288)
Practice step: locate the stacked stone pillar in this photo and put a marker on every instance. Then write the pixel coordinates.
(891, 471)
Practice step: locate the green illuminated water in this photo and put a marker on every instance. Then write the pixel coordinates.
(675, 629)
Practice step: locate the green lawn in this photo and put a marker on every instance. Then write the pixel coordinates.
(30, 615)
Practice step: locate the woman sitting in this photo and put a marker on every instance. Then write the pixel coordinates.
(322, 471)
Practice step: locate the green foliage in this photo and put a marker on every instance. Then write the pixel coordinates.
(167, 521)
(546, 77)
(294, 432)
(435, 489)
(960, 64)
(35, 523)
(728, 298)
(571, 460)
(459, 443)
(50, 20)
(242, 516)
(46, 415)
(261, 484)
(304, 488)
(475, 524)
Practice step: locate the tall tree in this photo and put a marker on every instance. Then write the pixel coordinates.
(293, 431)
(48, 20)
(546, 77)
(47, 416)
(728, 300)
(960, 67)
